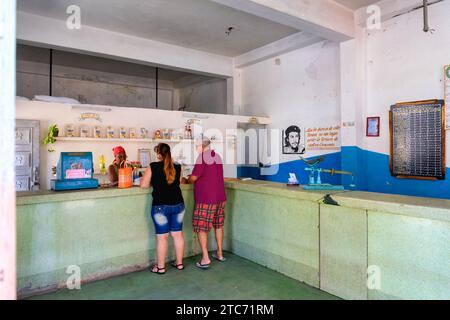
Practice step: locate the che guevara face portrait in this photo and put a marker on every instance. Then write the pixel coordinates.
(292, 140)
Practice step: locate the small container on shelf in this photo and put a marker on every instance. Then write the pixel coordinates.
(98, 132)
(70, 131)
(173, 134)
(85, 132)
(133, 134)
(180, 135)
(123, 133)
(110, 133)
(166, 134)
(144, 133)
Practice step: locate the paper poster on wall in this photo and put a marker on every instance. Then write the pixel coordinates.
(323, 138)
(293, 140)
(447, 96)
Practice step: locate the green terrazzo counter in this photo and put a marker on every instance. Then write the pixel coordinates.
(397, 244)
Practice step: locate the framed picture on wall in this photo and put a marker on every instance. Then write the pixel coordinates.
(373, 127)
(145, 157)
(293, 140)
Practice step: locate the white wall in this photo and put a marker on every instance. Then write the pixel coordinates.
(49, 113)
(7, 185)
(405, 64)
(209, 96)
(302, 90)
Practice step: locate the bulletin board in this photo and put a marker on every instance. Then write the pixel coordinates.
(417, 132)
(447, 94)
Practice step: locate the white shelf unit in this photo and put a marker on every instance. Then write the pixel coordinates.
(78, 139)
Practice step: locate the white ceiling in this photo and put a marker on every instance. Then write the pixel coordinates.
(356, 4)
(198, 24)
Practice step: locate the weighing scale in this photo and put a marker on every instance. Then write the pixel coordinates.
(316, 183)
(75, 171)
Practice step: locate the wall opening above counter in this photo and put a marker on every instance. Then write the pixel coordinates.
(49, 74)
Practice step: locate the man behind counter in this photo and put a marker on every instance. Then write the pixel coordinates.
(119, 156)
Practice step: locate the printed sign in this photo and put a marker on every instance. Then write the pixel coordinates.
(323, 138)
(86, 116)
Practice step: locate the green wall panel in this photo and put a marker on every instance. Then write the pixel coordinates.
(343, 251)
(413, 255)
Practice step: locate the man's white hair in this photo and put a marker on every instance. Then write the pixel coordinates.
(204, 141)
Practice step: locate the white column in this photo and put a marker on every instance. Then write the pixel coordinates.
(7, 183)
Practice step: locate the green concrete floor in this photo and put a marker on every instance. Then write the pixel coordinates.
(234, 279)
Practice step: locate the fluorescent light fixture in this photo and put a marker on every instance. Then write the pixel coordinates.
(91, 108)
(195, 116)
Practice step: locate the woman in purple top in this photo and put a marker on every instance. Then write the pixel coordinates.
(210, 200)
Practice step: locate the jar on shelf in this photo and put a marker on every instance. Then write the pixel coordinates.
(144, 133)
(70, 131)
(98, 132)
(123, 134)
(85, 132)
(110, 133)
(133, 134)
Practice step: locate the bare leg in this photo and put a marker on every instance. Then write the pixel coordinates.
(203, 240)
(219, 240)
(161, 250)
(178, 243)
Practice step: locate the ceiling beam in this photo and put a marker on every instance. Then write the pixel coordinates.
(53, 33)
(285, 45)
(323, 18)
(390, 9)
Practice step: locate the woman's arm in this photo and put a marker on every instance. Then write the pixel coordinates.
(146, 179)
(113, 178)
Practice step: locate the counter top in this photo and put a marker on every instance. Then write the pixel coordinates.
(278, 189)
(25, 198)
(428, 208)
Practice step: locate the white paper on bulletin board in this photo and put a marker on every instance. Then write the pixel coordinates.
(447, 96)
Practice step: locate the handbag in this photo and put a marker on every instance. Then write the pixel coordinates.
(125, 175)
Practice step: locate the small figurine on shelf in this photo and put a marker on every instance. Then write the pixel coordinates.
(157, 134)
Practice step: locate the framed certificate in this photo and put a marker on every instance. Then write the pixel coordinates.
(145, 157)
(373, 127)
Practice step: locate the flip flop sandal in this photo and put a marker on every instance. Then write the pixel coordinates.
(223, 259)
(158, 270)
(202, 266)
(177, 266)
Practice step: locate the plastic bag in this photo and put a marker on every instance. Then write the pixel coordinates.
(125, 175)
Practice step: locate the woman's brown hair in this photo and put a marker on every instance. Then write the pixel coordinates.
(169, 168)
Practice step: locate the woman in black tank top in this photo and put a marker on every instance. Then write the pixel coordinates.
(167, 207)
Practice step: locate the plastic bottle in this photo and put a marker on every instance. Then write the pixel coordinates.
(102, 164)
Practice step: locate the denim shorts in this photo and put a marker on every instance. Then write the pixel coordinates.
(168, 218)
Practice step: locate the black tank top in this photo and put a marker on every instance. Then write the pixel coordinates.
(163, 193)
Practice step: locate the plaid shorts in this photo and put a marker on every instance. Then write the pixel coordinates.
(207, 216)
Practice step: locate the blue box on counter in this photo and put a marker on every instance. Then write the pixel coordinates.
(74, 184)
(75, 171)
